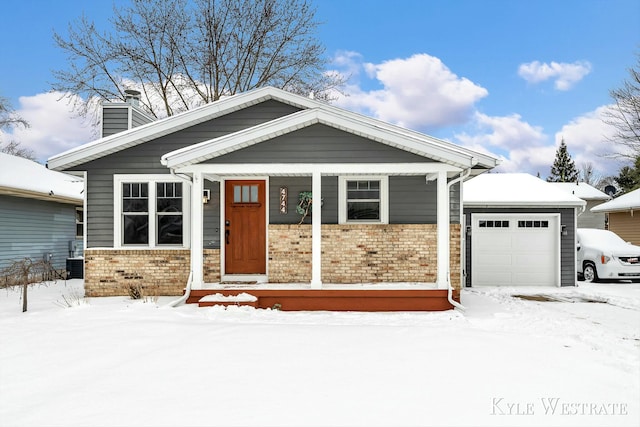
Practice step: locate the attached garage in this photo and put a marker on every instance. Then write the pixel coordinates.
(519, 231)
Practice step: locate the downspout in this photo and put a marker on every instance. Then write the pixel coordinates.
(187, 291)
(464, 174)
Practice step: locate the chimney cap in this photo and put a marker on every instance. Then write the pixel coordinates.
(132, 93)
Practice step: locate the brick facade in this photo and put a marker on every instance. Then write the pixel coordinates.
(361, 253)
(350, 254)
(111, 272)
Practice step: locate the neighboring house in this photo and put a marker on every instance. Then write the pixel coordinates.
(623, 214)
(593, 197)
(214, 191)
(520, 230)
(41, 214)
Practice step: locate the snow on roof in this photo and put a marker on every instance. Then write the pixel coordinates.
(582, 190)
(626, 202)
(515, 189)
(26, 178)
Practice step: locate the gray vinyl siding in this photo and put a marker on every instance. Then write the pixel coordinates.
(567, 243)
(294, 186)
(412, 200)
(145, 159)
(139, 119)
(30, 228)
(211, 217)
(114, 120)
(590, 219)
(319, 144)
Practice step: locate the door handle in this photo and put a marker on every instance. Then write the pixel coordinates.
(226, 236)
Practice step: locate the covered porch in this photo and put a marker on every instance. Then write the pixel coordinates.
(314, 250)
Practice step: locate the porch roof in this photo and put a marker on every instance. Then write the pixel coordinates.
(220, 146)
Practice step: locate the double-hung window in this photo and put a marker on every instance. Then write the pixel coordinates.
(363, 200)
(150, 211)
(79, 223)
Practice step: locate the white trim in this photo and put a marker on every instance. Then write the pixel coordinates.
(384, 198)
(515, 204)
(307, 169)
(196, 218)
(259, 278)
(84, 213)
(443, 231)
(151, 179)
(153, 130)
(316, 231)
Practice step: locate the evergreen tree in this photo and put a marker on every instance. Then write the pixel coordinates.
(564, 168)
(629, 177)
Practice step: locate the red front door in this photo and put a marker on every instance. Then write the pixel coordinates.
(245, 227)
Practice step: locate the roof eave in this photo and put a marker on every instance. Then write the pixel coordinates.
(481, 204)
(36, 195)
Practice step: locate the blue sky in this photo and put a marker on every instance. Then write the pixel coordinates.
(508, 77)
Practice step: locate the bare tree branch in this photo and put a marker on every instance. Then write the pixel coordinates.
(181, 54)
(624, 116)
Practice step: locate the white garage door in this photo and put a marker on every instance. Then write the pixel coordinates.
(515, 250)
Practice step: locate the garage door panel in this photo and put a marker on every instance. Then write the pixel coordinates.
(495, 279)
(524, 252)
(531, 241)
(492, 240)
(495, 259)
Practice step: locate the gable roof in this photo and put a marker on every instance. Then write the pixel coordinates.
(25, 178)
(416, 144)
(582, 190)
(515, 189)
(626, 202)
(123, 140)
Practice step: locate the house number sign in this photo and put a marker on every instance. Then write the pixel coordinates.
(283, 200)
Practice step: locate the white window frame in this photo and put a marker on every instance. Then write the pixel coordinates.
(79, 221)
(151, 180)
(384, 198)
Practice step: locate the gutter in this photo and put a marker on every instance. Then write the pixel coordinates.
(464, 174)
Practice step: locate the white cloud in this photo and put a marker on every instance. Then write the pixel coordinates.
(54, 127)
(417, 92)
(520, 145)
(525, 148)
(564, 74)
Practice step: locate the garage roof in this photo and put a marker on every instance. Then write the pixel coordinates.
(582, 190)
(626, 202)
(515, 189)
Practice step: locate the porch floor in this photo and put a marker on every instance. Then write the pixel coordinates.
(332, 297)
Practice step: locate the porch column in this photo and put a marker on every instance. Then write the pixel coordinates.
(197, 243)
(443, 230)
(316, 231)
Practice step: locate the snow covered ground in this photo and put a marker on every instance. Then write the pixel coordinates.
(506, 361)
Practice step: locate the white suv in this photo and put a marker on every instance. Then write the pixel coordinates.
(603, 255)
